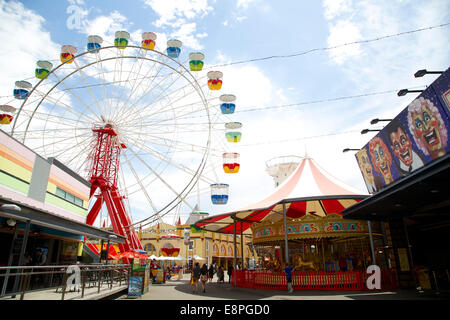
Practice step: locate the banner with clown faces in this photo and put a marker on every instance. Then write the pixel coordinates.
(417, 136)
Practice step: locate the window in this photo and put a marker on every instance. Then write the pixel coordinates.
(69, 197)
(78, 202)
(207, 245)
(60, 192)
(191, 245)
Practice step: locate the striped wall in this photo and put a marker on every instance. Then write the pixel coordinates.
(16, 169)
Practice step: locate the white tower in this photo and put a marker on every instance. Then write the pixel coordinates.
(281, 167)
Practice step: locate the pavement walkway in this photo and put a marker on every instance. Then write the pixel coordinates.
(90, 293)
(182, 290)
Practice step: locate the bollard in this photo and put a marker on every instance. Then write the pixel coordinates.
(27, 285)
(64, 285)
(22, 282)
(99, 280)
(112, 278)
(83, 282)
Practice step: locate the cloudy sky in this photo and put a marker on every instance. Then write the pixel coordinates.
(305, 75)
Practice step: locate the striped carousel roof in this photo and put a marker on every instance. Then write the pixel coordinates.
(308, 190)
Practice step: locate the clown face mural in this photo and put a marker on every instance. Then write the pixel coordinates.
(381, 159)
(366, 169)
(401, 147)
(427, 127)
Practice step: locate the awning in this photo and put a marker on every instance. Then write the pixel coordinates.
(49, 220)
(422, 195)
(309, 190)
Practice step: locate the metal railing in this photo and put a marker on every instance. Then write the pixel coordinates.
(19, 280)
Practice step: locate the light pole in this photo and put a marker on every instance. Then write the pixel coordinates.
(364, 131)
(423, 72)
(405, 91)
(376, 120)
(350, 149)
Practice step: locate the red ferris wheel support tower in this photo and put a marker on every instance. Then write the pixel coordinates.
(104, 169)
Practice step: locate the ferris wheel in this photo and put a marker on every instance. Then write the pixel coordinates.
(138, 122)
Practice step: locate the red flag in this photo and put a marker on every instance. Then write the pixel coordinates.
(179, 220)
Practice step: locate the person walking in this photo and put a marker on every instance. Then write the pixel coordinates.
(210, 273)
(220, 274)
(288, 271)
(204, 276)
(230, 272)
(195, 277)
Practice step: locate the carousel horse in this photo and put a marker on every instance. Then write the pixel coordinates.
(305, 265)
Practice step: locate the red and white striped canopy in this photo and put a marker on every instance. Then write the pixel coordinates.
(308, 190)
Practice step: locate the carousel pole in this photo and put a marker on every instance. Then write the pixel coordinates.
(286, 246)
(234, 267)
(323, 257)
(369, 224)
(242, 249)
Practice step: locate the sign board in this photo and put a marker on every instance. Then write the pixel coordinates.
(251, 264)
(159, 276)
(186, 237)
(135, 286)
(416, 137)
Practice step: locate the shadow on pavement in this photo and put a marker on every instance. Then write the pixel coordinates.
(227, 291)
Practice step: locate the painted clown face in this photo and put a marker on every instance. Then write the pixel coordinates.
(365, 165)
(382, 160)
(401, 145)
(426, 129)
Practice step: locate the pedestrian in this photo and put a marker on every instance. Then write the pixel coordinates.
(204, 276)
(220, 274)
(288, 271)
(195, 276)
(230, 272)
(210, 273)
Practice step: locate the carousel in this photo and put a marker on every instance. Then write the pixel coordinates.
(300, 223)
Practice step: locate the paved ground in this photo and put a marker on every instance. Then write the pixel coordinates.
(90, 293)
(182, 290)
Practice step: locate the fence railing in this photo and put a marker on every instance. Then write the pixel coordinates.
(351, 280)
(18, 280)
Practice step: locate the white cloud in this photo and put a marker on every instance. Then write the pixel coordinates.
(344, 32)
(171, 11)
(22, 28)
(241, 18)
(105, 26)
(186, 33)
(334, 8)
(178, 15)
(244, 4)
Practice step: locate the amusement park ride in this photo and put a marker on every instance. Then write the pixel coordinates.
(132, 120)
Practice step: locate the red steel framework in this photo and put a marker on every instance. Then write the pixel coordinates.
(103, 171)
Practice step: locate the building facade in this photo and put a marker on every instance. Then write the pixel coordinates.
(195, 244)
(52, 203)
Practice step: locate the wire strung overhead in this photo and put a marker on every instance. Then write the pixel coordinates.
(331, 47)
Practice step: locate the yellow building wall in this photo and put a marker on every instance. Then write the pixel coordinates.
(200, 246)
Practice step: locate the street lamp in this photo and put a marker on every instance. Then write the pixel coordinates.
(349, 149)
(423, 72)
(364, 131)
(376, 120)
(405, 91)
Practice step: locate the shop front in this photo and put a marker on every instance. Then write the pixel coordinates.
(411, 195)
